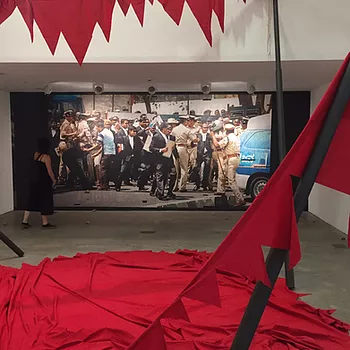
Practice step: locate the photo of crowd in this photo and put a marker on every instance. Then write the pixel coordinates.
(133, 157)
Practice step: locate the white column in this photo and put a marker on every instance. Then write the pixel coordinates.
(6, 180)
(331, 206)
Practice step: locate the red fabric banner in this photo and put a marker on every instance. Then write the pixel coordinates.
(78, 21)
(6, 9)
(174, 9)
(25, 7)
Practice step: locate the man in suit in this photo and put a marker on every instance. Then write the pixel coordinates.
(204, 155)
(119, 141)
(142, 129)
(164, 166)
(132, 147)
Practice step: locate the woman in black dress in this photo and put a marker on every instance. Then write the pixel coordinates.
(42, 180)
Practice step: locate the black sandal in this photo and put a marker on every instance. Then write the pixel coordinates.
(49, 226)
(26, 225)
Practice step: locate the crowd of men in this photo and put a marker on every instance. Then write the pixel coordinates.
(166, 156)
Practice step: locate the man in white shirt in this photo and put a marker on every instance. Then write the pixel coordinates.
(105, 138)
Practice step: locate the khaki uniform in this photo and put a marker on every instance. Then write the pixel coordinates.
(218, 161)
(67, 128)
(84, 133)
(231, 146)
(183, 140)
(238, 130)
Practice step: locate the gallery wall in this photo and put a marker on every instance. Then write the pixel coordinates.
(329, 205)
(248, 35)
(6, 183)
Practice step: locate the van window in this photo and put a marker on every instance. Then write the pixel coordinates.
(260, 139)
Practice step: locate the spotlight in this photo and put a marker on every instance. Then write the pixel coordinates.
(98, 89)
(152, 90)
(206, 89)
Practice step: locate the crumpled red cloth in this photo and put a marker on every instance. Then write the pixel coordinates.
(105, 301)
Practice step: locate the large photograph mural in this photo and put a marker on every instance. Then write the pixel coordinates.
(161, 151)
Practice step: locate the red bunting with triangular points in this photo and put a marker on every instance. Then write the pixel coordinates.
(6, 9)
(177, 311)
(153, 338)
(173, 8)
(47, 20)
(78, 20)
(105, 17)
(206, 289)
(26, 9)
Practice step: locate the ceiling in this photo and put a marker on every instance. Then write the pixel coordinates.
(167, 77)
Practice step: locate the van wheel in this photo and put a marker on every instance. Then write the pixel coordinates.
(257, 186)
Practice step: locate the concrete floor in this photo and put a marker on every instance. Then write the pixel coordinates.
(324, 270)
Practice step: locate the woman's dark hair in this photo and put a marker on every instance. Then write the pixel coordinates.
(43, 145)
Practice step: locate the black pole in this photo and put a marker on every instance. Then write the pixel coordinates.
(11, 245)
(290, 280)
(277, 257)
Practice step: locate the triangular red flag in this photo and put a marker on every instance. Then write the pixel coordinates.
(332, 173)
(124, 6)
(335, 170)
(173, 8)
(6, 9)
(25, 7)
(105, 17)
(78, 22)
(219, 9)
(139, 9)
(45, 15)
(152, 338)
(177, 311)
(205, 289)
(202, 11)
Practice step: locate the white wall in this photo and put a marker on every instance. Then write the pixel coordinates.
(331, 206)
(310, 30)
(6, 185)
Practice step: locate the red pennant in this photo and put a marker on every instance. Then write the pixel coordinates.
(124, 6)
(173, 8)
(206, 289)
(333, 173)
(45, 14)
(139, 9)
(25, 7)
(105, 17)
(6, 9)
(152, 338)
(219, 9)
(78, 22)
(177, 311)
(202, 11)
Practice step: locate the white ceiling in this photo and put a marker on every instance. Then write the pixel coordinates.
(167, 77)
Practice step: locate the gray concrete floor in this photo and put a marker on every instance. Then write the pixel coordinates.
(324, 270)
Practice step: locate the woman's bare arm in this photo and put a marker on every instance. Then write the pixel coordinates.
(47, 161)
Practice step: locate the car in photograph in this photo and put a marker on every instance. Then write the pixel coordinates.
(254, 168)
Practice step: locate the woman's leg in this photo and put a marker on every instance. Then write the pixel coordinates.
(44, 219)
(26, 217)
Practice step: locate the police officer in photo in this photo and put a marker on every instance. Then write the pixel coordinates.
(230, 144)
(183, 139)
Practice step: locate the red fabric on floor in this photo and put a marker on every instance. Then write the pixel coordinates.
(106, 301)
